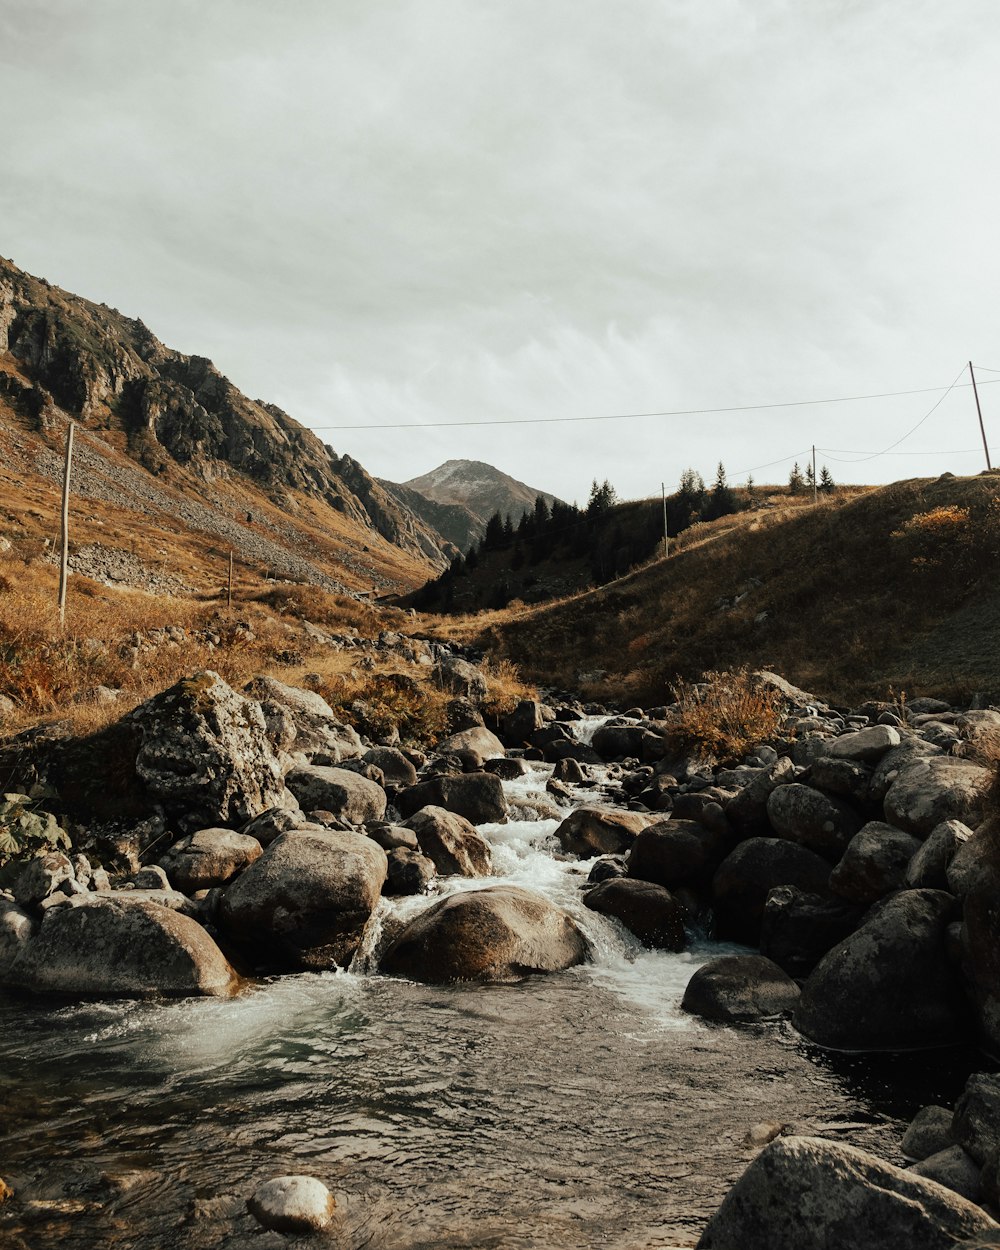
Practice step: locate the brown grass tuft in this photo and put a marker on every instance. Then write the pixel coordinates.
(723, 716)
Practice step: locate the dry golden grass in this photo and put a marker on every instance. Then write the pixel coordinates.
(723, 716)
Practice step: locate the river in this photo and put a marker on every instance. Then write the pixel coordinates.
(580, 1109)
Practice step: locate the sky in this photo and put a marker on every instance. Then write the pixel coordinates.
(477, 221)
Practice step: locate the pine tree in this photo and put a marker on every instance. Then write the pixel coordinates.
(542, 514)
(826, 481)
(796, 482)
(722, 500)
(493, 538)
(472, 558)
(508, 530)
(810, 475)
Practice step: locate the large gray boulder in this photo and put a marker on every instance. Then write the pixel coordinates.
(865, 746)
(981, 934)
(976, 857)
(480, 743)
(805, 1193)
(317, 731)
(478, 796)
(799, 928)
(929, 867)
(736, 988)
(500, 934)
(891, 764)
(460, 677)
(747, 810)
(110, 948)
(889, 985)
(451, 843)
(813, 819)
(306, 901)
(976, 1123)
(590, 831)
(395, 767)
(676, 852)
(338, 790)
(929, 791)
(747, 876)
(874, 863)
(16, 929)
(209, 858)
(648, 911)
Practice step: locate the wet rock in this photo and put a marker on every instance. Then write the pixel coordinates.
(740, 988)
(317, 730)
(479, 742)
(930, 791)
(676, 852)
(517, 727)
(747, 811)
(306, 901)
(409, 872)
(804, 1193)
(478, 796)
(874, 863)
(396, 769)
(293, 1204)
(648, 911)
(812, 819)
(508, 769)
(451, 843)
(980, 934)
(605, 868)
(748, 875)
(209, 858)
(113, 948)
(798, 928)
(866, 746)
(500, 934)
(338, 790)
(953, 1169)
(975, 1125)
(890, 985)
(590, 831)
(928, 1134)
(928, 869)
(615, 742)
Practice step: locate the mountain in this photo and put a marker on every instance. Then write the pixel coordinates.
(166, 425)
(472, 491)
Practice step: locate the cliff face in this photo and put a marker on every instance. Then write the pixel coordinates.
(110, 373)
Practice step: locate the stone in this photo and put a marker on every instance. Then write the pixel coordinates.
(41, 876)
(460, 677)
(975, 1125)
(866, 746)
(953, 1169)
(590, 831)
(273, 822)
(396, 769)
(508, 769)
(676, 852)
(648, 911)
(977, 857)
(209, 858)
(799, 928)
(893, 762)
(110, 947)
(500, 934)
(478, 796)
(890, 984)
(618, 741)
(747, 876)
(980, 933)
(736, 988)
(930, 791)
(16, 929)
(451, 843)
(845, 779)
(304, 904)
(317, 729)
(152, 877)
(389, 837)
(337, 790)
(874, 863)
(805, 1193)
(409, 872)
(479, 741)
(812, 819)
(293, 1204)
(928, 1134)
(747, 810)
(606, 867)
(928, 869)
(517, 727)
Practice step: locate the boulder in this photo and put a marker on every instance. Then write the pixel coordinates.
(676, 852)
(316, 728)
(893, 762)
(845, 779)
(458, 676)
(739, 988)
(16, 929)
(108, 947)
(396, 768)
(866, 746)
(306, 901)
(389, 836)
(889, 985)
(618, 741)
(508, 769)
(590, 831)
(208, 858)
(479, 741)
(273, 822)
(337, 790)
(975, 1125)
(478, 796)
(929, 791)
(874, 863)
(648, 911)
(798, 928)
(953, 1169)
(812, 819)
(451, 843)
(293, 1204)
(928, 1134)
(747, 876)
(980, 935)
(500, 934)
(42, 876)
(747, 811)
(409, 872)
(805, 1193)
(976, 858)
(517, 727)
(928, 869)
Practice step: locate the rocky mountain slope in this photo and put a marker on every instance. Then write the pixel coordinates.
(471, 491)
(155, 422)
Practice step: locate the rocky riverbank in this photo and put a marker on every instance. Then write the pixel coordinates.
(250, 833)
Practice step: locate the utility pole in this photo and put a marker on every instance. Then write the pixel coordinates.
(663, 488)
(982, 428)
(814, 472)
(230, 596)
(64, 557)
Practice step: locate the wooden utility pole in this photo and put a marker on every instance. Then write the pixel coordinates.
(666, 544)
(64, 556)
(814, 473)
(982, 428)
(230, 595)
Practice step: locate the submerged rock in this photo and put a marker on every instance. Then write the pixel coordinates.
(500, 934)
(649, 911)
(740, 988)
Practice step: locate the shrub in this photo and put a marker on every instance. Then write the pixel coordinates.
(26, 832)
(722, 716)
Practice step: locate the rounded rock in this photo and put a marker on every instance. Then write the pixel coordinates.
(293, 1204)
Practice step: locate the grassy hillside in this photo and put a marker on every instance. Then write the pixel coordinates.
(897, 586)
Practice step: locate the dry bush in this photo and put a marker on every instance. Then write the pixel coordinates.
(378, 702)
(504, 687)
(982, 745)
(321, 607)
(722, 716)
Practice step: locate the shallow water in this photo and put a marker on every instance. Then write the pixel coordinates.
(579, 1109)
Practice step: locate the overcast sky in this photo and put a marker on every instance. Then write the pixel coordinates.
(414, 211)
